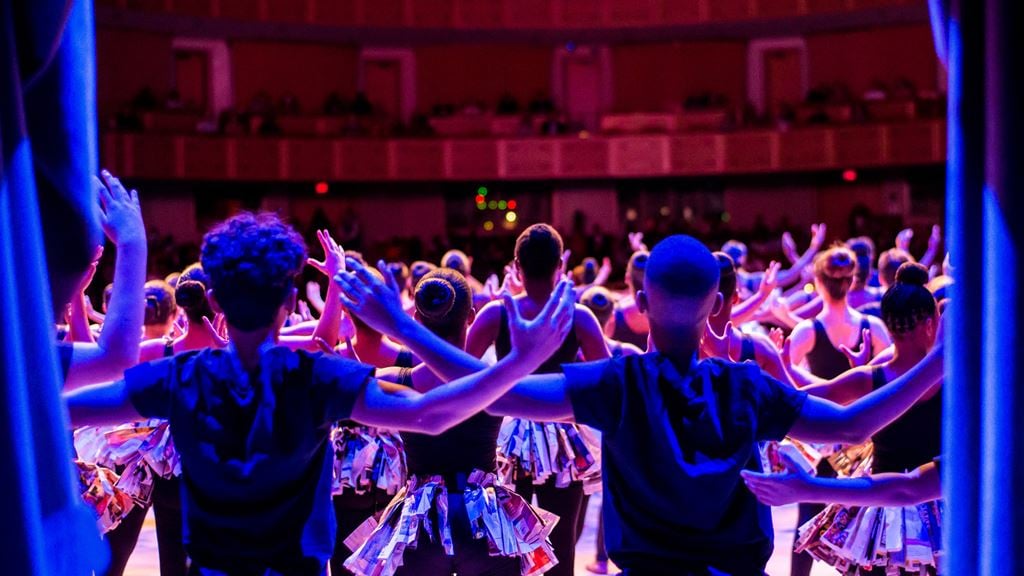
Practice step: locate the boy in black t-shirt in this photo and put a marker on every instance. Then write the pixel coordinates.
(251, 422)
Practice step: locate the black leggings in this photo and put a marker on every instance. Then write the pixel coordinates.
(169, 537)
(351, 510)
(567, 504)
(472, 557)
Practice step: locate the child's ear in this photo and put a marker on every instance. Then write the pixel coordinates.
(214, 305)
(641, 301)
(471, 318)
(717, 306)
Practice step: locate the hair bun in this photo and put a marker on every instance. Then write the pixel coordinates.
(912, 273)
(435, 298)
(190, 293)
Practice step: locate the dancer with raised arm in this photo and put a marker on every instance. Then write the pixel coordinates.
(251, 422)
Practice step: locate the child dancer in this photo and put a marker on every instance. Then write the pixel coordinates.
(911, 315)
(450, 464)
(251, 422)
(558, 485)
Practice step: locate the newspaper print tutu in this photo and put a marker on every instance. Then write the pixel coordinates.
(568, 452)
(366, 458)
(847, 461)
(142, 451)
(101, 493)
(856, 540)
(511, 526)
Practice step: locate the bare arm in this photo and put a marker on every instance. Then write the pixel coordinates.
(101, 404)
(542, 397)
(118, 344)
(792, 274)
(746, 310)
(920, 485)
(442, 407)
(824, 421)
(390, 405)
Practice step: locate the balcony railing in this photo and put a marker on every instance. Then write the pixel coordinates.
(584, 156)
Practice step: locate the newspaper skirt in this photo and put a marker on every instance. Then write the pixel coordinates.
(540, 450)
(142, 451)
(511, 526)
(366, 458)
(855, 539)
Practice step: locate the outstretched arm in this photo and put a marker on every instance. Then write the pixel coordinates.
(432, 412)
(118, 344)
(101, 404)
(378, 304)
(746, 310)
(824, 421)
(543, 397)
(920, 485)
(792, 274)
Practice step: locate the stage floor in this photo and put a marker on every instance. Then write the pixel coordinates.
(144, 561)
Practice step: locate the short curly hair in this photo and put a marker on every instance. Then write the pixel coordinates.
(252, 261)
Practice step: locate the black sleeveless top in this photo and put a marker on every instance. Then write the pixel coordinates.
(623, 333)
(459, 450)
(914, 439)
(565, 354)
(404, 358)
(824, 359)
(747, 351)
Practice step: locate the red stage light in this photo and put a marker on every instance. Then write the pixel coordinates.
(321, 188)
(480, 199)
(850, 175)
(511, 204)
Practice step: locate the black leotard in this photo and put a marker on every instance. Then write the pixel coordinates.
(914, 439)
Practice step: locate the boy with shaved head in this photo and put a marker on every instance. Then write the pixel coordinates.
(677, 432)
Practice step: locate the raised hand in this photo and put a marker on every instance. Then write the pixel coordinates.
(303, 310)
(492, 289)
(935, 238)
(777, 337)
(334, 255)
(636, 242)
(534, 339)
(218, 330)
(90, 272)
(789, 248)
(564, 266)
(819, 233)
(903, 239)
(120, 213)
(604, 272)
(770, 280)
(511, 284)
(779, 489)
(862, 355)
(374, 299)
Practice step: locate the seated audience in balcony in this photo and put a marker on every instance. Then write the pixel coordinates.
(288, 104)
(507, 105)
(335, 105)
(361, 106)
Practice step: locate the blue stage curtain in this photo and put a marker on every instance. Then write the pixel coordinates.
(48, 145)
(983, 473)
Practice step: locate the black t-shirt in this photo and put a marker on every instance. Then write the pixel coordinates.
(673, 446)
(256, 466)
